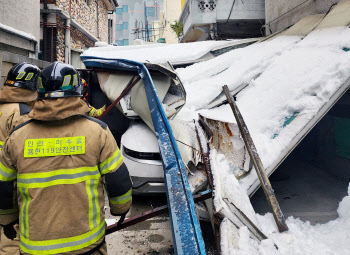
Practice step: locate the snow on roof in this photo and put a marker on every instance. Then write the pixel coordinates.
(19, 32)
(288, 80)
(285, 77)
(156, 53)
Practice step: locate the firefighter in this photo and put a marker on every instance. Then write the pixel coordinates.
(16, 97)
(93, 112)
(61, 159)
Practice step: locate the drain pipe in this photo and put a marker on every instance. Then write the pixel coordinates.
(44, 50)
(67, 42)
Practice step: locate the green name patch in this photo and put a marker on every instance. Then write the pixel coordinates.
(49, 147)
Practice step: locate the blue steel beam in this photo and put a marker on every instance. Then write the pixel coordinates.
(187, 236)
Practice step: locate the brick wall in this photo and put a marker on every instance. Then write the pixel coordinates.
(91, 14)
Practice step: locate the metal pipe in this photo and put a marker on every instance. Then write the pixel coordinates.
(51, 44)
(152, 213)
(67, 42)
(71, 31)
(126, 90)
(259, 168)
(44, 50)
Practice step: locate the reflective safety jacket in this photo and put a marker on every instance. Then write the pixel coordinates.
(12, 112)
(61, 160)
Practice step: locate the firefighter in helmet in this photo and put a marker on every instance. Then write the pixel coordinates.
(16, 99)
(61, 159)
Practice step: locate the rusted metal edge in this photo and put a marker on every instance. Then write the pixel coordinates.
(207, 167)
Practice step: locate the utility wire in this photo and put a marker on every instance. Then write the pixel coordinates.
(233, 3)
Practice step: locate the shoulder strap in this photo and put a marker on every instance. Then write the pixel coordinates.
(20, 125)
(101, 123)
(24, 109)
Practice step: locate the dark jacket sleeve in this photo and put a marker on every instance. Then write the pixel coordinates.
(116, 175)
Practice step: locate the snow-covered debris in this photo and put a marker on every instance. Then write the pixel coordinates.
(101, 44)
(227, 186)
(16, 31)
(156, 53)
(288, 78)
(203, 81)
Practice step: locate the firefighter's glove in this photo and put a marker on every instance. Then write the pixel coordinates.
(10, 231)
(101, 110)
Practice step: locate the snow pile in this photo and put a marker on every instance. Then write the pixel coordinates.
(156, 53)
(101, 44)
(227, 186)
(203, 81)
(19, 32)
(302, 238)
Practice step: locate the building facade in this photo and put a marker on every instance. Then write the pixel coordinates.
(70, 26)
(171, 13)
(19, 34)
(222, 19)
(281, 14)
(137, 19)
(20, 26)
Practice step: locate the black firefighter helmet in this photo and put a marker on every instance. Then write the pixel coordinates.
(23, 75)
(59, 80)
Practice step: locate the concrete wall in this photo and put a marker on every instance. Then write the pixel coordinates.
(248, 9)
(275, 8)
(21, 15)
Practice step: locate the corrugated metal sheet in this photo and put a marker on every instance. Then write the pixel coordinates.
(338, 16)
(304, 26)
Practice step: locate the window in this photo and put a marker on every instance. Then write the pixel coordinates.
(125, 42)
(119, 27)
(125, 8)
(119, 42)
(126, 25)
(119, 11)
(150, 11)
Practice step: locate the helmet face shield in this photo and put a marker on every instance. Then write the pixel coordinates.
(23, 75)
(59, 80)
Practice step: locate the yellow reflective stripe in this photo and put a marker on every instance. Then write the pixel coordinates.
(66, 80)
(121, 199)
(94, 208)
(1, 142)
(40, 85)
(111, 163)
(7, 174)
(91, 216)
(24, 212)
(20, 75)
(9, 211)
(91, 113)
(97, 216)
(29, 76)
(57, 177)
(99, 112)
(64, 244)
(75, 79)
